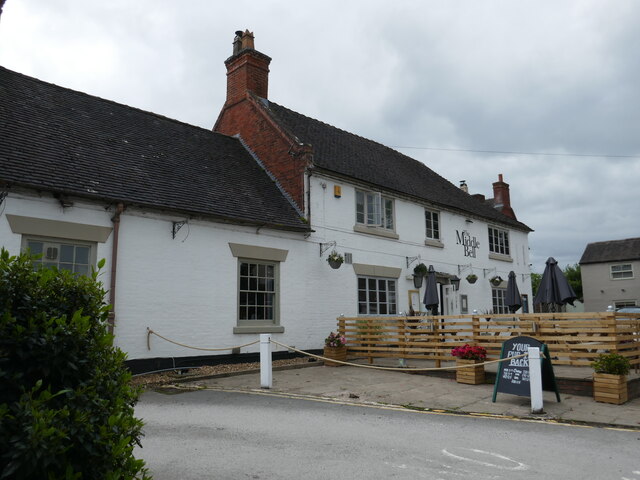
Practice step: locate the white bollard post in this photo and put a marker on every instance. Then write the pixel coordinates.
(535, 380)
(266, 372)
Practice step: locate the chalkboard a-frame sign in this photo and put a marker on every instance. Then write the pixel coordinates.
(513, 376)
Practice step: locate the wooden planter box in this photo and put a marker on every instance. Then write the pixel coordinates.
(335, 353)
(470, 375)
(610, 388)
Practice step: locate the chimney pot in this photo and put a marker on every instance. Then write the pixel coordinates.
(501, 197)
(247, 69)
(247, 40)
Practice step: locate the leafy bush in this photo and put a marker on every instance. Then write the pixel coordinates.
(611, 363)
(66, 404)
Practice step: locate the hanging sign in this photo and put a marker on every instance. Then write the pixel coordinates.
(469, 244)
(513, 375)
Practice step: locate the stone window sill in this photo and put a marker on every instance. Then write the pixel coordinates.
(430, 242)
(500, 257)
(380, 232)
(258, 329)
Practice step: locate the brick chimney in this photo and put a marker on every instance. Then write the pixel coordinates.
(247, 69)
(501, 198)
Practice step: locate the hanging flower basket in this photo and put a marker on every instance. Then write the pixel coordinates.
(496, 281)
(418, 275)
(472, 278)
(335, 260)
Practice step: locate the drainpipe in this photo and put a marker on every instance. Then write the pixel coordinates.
(309, 173)
(114, 265)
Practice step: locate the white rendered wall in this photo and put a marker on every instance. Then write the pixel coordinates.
(333, 219)
(186, 288)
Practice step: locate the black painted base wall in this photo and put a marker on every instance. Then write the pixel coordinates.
(147, 365)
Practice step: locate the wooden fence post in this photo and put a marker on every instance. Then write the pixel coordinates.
(475, 322)
(402, 334)
(613, 325)
(436, 336)
(370, 340)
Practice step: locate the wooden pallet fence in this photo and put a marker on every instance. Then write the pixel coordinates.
(573, 338)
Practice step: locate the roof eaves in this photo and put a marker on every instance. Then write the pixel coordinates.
(302, 227)
(506, 221)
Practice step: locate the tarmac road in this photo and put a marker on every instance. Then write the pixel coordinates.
(211, 434)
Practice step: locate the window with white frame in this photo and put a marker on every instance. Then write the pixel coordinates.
(624, 303)
(257, 292)
(377, 296)
(621, 271)
(498, 241)
(74, 256)
(498, 299)
(374, 210)
(432, 221)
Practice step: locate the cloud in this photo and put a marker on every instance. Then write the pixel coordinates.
(527, 76)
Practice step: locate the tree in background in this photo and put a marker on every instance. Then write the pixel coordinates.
(535, 282)
(573, 276)
(66, 403)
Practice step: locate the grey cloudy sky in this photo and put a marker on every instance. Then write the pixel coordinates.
(555, 80)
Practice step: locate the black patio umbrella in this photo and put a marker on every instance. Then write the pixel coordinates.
(431, 292)
(554, 288)
(512, 299)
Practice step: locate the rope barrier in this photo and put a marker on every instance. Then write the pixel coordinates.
(151, 332)
(398, 369)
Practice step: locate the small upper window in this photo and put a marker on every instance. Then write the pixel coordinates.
(374, 210)
(432, 220)
(624, 270)
(498, 241)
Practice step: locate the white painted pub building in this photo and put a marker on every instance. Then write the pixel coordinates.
(212, 237)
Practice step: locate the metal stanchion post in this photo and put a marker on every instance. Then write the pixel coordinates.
(535, 380)
(266, 372)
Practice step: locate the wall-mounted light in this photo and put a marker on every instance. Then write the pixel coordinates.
(455, 281)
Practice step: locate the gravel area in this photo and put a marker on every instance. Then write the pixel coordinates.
(152, 380)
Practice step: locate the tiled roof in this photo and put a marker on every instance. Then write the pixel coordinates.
(353, 156)
(612, 251)
(60, 140)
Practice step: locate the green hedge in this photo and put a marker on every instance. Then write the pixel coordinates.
(66, 404)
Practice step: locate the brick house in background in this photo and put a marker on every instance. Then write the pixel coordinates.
(610, 274)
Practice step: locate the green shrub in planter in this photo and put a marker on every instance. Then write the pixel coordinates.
(612, 364)
(66, 404)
